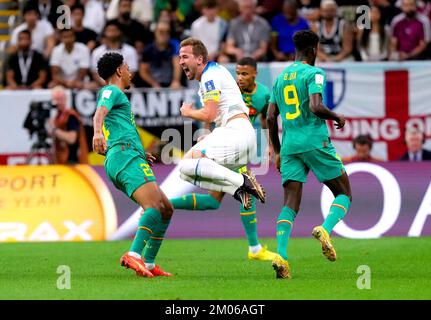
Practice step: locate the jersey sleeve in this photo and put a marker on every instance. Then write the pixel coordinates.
(316, 82)
(272, 96)
(107, 98)
(211, 87)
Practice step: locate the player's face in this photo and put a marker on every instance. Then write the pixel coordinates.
(362, 151)
(126, 76)
(189, 62)
(245, 76)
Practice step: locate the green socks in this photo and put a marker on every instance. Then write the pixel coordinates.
(284, 227)
(248, 219)
(147, 225)
(338, 210)
(153, 245)
(195, 201)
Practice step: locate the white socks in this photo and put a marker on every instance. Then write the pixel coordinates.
(209, 175)
(255, 249)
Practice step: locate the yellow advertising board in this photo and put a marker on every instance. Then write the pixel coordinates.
(54, 203)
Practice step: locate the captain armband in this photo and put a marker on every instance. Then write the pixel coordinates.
(213, 95)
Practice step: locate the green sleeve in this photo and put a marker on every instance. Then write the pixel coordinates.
(316, 82)
(107, 98)
(272, 98)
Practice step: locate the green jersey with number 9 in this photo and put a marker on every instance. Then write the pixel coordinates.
(302, 130)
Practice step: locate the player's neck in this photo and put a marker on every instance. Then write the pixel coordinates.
(200, 71)
(251, 88)
(116, 82)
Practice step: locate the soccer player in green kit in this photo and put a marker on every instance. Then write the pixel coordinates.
(128, 166)
(297, 98)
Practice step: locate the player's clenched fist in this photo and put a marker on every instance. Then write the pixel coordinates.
(340, 122)
(185, 109)
(99, 143)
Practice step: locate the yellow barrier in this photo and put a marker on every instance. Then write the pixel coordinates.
(54, 203)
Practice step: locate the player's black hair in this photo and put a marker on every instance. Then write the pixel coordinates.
(362, 140)
(77, 6)
(61, 31)
(305, 40)
(108, 64)
(248, 61)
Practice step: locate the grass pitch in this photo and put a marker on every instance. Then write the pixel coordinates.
(219, 269)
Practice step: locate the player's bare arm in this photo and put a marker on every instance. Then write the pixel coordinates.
(272, 124)
(207, 114)
(99, 142)
(319, 109)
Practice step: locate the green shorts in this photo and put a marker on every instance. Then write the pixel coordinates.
(128, 169)
(325, 164)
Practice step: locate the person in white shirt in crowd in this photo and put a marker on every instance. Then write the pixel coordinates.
(248, 34)
(112, 42)
(42, 33)
(94, 17)
(47, 10)
(374, 44)
(211, 30)
(142, 10)
(70, 62)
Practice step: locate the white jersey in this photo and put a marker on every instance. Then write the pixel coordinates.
(218, 84)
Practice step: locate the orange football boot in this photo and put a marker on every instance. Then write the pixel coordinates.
(136, 264)
(157, 271)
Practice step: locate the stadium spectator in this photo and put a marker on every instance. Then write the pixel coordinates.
(284, 25)
(134, 33)
(374, 44)
(94, 17)
(142, 10)
(268, 9)
(309, 9)
(362, 145)
(228, 9)
(387, 8)
(70, 62)
(211, 30)
(82, 34)
(112, 42)
(67, 131)
(26, 69)
(410, 32)
(415, 139)
(248, 34)
(336, 36)
(47, 10)
(42, 33)
(160, 63)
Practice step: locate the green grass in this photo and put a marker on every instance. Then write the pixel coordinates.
(218, 269)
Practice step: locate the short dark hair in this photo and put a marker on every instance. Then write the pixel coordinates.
(30, 7)
(199, 48)
(209, 4)
(248, 61)
(363, 139)
(112, 23)
(108, 64)
(305, 39)
(77, 6)
(63, 30)
(25, 31)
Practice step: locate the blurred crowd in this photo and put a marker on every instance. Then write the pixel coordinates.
(53, 47)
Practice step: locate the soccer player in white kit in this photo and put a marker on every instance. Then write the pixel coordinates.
(213, 162)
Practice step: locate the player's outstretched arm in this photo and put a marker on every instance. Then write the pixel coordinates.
(319, 109)
(99, 142)
(272, 124)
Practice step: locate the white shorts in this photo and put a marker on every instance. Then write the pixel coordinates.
(232, 146)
